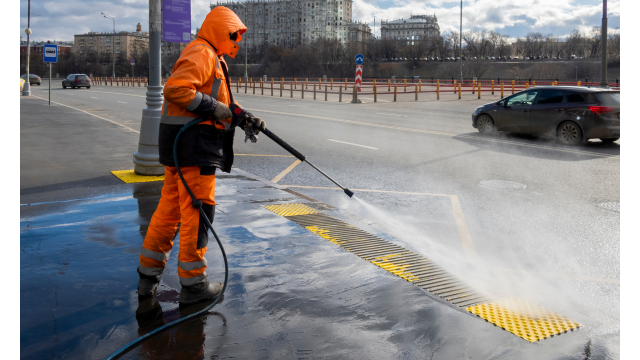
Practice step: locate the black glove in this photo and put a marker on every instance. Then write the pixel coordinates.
(211, 108)
(257, 124)
(221, 111)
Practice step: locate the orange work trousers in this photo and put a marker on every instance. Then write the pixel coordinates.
(175, 208)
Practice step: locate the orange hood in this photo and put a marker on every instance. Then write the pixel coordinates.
(217, 26)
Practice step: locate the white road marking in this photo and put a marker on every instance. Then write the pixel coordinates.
(93, 97)
(99, 117)
(391, 114)
(122, 102)
(372, 99)
(344, 142)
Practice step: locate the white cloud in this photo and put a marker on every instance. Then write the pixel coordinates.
(58, 20)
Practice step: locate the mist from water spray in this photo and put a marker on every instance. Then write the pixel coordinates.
(499, 276)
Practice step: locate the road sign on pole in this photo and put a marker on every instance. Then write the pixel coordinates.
(359, 61)
(50, 56)
(176, 21)
(51, 53)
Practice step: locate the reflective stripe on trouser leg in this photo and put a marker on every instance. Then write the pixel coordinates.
(193, 243)
(162, 229)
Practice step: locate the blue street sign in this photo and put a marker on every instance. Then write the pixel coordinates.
(359, 59)
(50, 53)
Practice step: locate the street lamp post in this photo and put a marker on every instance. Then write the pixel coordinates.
(146, 158)
(113, 43)
(246, 76)
(26, 90)
(603, 76)
(460, 40)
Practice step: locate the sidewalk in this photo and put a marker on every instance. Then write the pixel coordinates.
(291, 293)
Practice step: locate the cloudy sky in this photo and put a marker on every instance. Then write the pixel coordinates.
(60, 20)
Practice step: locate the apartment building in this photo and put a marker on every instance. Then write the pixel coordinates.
(415, 28)
(127, 42)
(101, 42)
(290, 23)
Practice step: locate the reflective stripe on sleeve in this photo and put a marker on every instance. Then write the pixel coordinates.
(175, 120)
(150, 271)
(188, 266)
(196, 101)
(154, 254)
(215, 88)
(192, 280)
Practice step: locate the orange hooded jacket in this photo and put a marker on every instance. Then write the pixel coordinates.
(197, 80)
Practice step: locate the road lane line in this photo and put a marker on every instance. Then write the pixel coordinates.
(463, 230)
(362, 97)
(88, 113)
(344, 142)
(286, 171)
(465, 235)
(107, 92)
(423, 131)
(391, 114)
(122, 102)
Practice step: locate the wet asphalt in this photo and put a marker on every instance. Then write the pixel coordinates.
(293, 294)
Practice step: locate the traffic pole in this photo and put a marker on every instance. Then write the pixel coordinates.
(146, 158)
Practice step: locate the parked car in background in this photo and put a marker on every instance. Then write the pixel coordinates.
(33, 79)
(21, 84)
(572, 114)
(76, 80)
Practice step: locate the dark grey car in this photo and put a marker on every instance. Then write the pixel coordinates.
(571, 113)
(33, 79)
(76, 80)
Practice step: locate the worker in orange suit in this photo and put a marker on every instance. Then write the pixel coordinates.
(198, 88)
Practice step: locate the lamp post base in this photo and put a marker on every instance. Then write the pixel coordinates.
(146, 159)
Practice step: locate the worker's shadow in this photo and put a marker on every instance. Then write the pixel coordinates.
(539, 147)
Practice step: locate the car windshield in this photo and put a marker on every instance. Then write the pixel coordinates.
(608, 98)
(526, 98)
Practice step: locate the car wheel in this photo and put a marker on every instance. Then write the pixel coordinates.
(64, 86)
(72, 86)
(485, 125)
(89, 87)
(569, 133)
(609, 140)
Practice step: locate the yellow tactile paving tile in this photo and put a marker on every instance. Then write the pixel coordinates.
(292, 209)
(524, 319)
(129, 176)
(323, 233)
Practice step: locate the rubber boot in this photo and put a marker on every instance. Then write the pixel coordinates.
(200, 292)
(147, 285)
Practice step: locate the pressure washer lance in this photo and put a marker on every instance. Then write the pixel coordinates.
(238, 112)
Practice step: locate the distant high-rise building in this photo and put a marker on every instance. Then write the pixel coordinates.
(291, 23)
(408, 31)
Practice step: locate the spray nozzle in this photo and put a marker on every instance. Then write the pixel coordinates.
(348, 192)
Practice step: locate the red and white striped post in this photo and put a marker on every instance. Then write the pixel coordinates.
(357, 86)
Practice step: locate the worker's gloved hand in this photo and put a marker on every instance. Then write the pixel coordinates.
(257, 125)
(221, 112)
(251, 129)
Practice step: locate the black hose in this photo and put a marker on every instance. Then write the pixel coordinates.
(197, 204)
